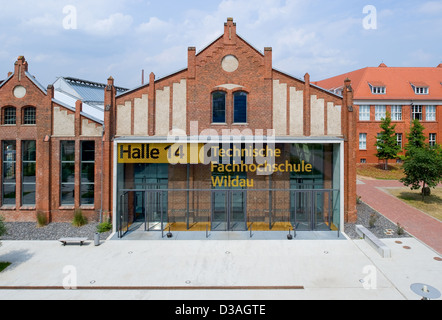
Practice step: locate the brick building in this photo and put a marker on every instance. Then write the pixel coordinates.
(227, 143)
(407, 93)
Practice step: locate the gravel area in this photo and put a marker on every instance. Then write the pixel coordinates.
(380, 227)
(53, 231)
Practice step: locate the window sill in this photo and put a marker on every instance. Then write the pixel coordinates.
(28, 208)
(240, 124)
(219, 124)
(87, 207)
(65, 207)
(8, 208)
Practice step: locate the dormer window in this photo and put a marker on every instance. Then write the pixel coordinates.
(377, 88)
(420, 88)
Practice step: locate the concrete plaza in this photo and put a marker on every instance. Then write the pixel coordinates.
(218, 270)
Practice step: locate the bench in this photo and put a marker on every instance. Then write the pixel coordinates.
(66, 240)
(374, 241)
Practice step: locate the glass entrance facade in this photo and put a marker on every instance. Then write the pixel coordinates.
(302, 192)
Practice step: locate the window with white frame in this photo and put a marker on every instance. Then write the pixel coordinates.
(416, 113)
(396, 113)
(378, 90)
(399, 139)
(432, 139)
(362, 141)
(421, 90)
(364, 113)
(380, 112)
(431, 113)
(378, 139)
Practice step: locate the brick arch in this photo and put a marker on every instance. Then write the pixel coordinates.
(243, 89)
(218, 89)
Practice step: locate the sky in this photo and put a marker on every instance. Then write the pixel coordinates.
(95, 39)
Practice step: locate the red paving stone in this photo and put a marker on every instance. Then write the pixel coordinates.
(415, 222)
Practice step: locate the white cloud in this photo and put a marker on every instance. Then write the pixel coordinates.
(46, 24)
(168, 57)
(154, 25)
(432, 7)
(421, 56)
(115, 24)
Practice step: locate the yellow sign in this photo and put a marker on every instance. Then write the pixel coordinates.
(172, 153)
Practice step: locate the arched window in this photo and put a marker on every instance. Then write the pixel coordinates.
(9, 115)
(219, 107)
(240, 107)
(29, 115)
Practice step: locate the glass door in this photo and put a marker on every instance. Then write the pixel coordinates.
(322, 216)
(301, 208)
(156, 210)
(219, 210)
(229, 210)
(237, 214)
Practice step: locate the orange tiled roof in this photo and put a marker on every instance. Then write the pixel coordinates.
(397, 80)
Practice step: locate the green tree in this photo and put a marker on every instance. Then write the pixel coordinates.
(423, 169)
(416, 137)
(387, 147)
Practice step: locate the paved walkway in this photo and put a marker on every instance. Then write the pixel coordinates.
(422, 226)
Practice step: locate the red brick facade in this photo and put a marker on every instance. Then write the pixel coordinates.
(203, 75)
(399, 85)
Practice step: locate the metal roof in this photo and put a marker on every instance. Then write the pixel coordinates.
(68, 90)
(92, 92)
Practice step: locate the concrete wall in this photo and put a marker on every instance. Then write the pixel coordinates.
(296, 112)
(317, 116)
(334, 121)
(179, 115)
(91, 129)
(64, 122)
(162, 112)
(124, 119)
(280, 108)
(141, 109)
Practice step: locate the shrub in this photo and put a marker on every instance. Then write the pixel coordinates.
(42, 219)
(400, 230)
(372, 220)
(2, 226)
(104, 227)
(79, 219)
(3, 230)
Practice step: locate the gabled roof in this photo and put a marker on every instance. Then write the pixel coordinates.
(6, 80)
(34, 81)
(398, 81)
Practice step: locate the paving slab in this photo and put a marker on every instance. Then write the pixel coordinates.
(415, 222)
(323, 269)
